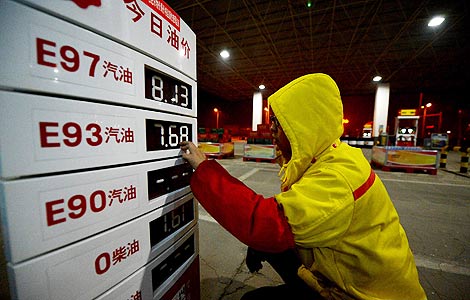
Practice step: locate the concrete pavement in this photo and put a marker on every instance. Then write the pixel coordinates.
(433, 209)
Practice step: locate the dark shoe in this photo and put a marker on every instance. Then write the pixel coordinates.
(253, 260)
(281, 292)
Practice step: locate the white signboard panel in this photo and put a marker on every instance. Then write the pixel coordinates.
(148, 25)
(45, 54)
(45, 134)
(141, 284)
(90, 267)
(54, 211)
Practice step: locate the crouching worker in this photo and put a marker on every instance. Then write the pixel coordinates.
(332, 232)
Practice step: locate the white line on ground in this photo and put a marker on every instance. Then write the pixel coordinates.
(248, 174)
(444, 266)
(421, 261)
(424, 182)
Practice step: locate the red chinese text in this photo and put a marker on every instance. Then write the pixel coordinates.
(60, 210)
(134, 7)
(106, 260)
(71, 60)
(173, 37)
(73, 134)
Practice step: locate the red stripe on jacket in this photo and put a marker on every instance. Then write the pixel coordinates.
(365, 186)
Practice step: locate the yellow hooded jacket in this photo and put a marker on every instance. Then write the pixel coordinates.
(344, 223)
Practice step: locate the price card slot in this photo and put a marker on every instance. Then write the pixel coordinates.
(187, 286)
(57, 210)
(150, 26)
(163, 135)
(183, 282)
(48, 55)
(174, 261)
(167, 180)
(45, 134)
(103, 260)
(170, 222)
(163, 88)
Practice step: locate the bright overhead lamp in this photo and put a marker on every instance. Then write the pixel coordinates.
(436, 21)
(377, 78)
(262, 87)
(225, 54)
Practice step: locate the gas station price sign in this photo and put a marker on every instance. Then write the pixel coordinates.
(49, 134)
(105, 259)
(163, 88)
(63, 209)
(92, 114)
(150, 26)
(82, 64)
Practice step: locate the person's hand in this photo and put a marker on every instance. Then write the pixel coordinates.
(192, 154)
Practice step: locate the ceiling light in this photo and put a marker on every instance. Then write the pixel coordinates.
(261, 87)
(377, 78)
(436, 21)
(225, 54)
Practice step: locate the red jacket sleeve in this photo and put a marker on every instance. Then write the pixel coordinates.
(256, 221)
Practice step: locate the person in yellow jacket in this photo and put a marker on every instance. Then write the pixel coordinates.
(332, 232)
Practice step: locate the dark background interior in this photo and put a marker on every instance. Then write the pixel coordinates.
(274, 42)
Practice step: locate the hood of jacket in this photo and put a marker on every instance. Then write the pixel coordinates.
(310, 112)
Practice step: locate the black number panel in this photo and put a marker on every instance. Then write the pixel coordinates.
(166, 268)
(167, 180)
(163, 88)
(164, 135)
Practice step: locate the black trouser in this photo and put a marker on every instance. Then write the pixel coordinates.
(286, 265)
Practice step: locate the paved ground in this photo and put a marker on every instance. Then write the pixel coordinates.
(434, 210)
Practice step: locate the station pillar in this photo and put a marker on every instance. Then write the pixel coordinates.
(257, 110)
(382, 96)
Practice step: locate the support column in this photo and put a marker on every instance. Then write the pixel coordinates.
(382, 96)
(257, 110)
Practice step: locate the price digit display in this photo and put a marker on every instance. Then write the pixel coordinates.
(163, 88)
(163, 135)
(170, 222)
(172, 263)
(167, 180)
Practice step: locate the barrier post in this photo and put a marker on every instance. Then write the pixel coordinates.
(443, 159)
(464, 160)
